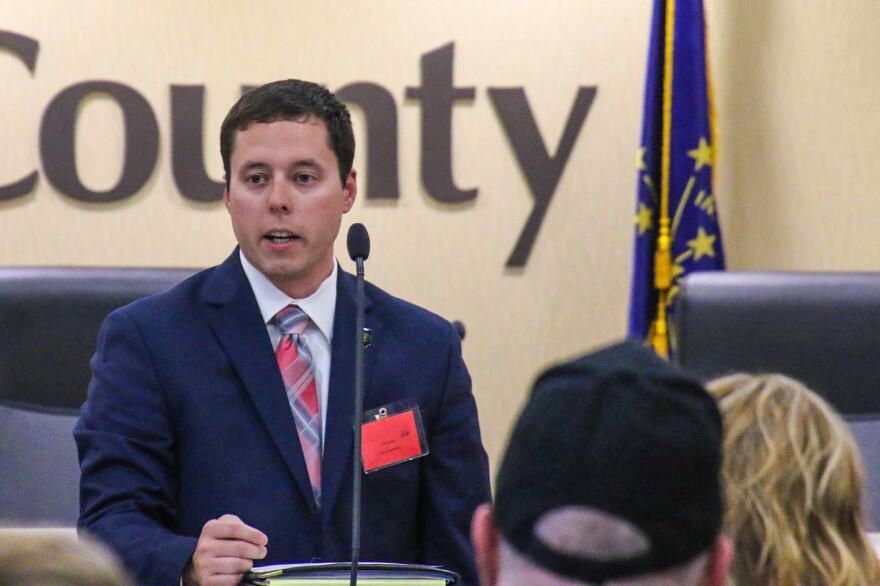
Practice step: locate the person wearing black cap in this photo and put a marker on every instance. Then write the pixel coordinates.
(611, 476)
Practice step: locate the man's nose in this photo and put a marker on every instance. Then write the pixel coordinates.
(280, 197)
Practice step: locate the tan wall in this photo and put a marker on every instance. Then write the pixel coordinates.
(798, 100)
(799, 103)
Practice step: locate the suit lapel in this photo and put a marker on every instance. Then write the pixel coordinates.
(339, 435)
(233, 314)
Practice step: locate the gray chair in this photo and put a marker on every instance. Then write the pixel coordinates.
(40, 479)
(49, 322)
(820, 328)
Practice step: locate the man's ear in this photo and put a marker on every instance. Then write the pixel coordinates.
(349, 191)
(487, 544)
(719, 562)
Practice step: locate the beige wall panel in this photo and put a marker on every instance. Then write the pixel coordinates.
(799, 104)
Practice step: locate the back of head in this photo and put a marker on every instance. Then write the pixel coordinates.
(58, 560)
(612, 473)
(518, 570)
(291, 99)
(794, 485)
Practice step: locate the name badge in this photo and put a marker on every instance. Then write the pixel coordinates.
(391, 435)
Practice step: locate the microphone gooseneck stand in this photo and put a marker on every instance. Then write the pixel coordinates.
(358, 250)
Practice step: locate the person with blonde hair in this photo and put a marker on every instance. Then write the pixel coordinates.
(37, 558)
(794, 487)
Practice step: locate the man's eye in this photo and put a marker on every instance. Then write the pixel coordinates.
(303, 178)
(255, 179)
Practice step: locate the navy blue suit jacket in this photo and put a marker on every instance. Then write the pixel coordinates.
(187, 419)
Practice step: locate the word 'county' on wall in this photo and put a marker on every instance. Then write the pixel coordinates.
(437, 95)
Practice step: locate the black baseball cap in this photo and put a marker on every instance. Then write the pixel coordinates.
(620, 434)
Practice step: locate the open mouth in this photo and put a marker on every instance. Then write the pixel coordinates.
(281, 237)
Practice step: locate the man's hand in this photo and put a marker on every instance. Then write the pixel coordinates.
(225, 551)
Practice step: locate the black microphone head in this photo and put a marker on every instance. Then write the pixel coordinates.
(459, 327)
(358, 242)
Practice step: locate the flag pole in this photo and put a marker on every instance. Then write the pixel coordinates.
(663, 254)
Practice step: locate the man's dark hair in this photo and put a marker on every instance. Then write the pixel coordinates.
(291, 99)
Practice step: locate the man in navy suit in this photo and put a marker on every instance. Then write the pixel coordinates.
(191, 463)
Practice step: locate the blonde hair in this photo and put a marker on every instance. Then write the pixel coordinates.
(58, 560)
(794, 483)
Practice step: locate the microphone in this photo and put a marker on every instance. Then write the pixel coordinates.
(459, 327)
(358, 242)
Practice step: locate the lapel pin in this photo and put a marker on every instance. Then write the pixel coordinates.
(368, 337)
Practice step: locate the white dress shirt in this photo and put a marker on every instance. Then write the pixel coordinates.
(320, 306)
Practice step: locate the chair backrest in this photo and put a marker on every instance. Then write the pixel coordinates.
(49, 322)
(40, 479)
(820, 328)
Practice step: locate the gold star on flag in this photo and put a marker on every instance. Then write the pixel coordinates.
(644, 218)
(702, 245)
(702, 155)
(640, 159)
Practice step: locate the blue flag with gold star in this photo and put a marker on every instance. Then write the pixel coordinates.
(676, 224)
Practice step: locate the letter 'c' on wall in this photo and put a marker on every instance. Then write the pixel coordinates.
(26, 49)
(58, 141)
